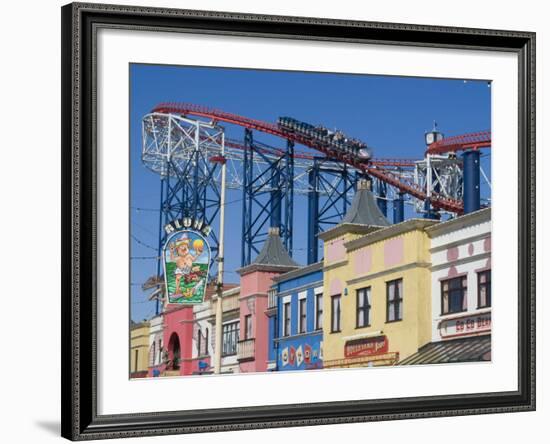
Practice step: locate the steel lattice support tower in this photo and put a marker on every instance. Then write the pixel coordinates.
(330, 193)
(268, 181)
(181, 150)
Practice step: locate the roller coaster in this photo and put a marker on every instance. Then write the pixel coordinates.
(185, 144)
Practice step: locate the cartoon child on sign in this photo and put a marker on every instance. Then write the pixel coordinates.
(187, 257)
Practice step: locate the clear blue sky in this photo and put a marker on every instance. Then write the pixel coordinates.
(390, 114)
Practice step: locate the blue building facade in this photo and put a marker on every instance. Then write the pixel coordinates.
(295, 311)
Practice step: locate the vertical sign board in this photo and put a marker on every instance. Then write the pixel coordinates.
(186, 258)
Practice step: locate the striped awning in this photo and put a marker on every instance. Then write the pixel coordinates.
(477, 348)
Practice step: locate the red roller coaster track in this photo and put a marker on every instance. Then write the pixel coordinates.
(472, 141)
(374, 168)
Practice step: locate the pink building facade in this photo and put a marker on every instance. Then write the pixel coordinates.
(256, 279)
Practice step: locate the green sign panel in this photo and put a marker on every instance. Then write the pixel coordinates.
(186, 266)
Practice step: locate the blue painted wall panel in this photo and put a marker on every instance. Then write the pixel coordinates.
(300, 352)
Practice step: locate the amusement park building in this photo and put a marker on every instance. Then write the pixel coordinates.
(187, 335)
(139, 349)
(461, 291)
(256, 280)
(155, 345)
(230, 329)
(377, 286)
(295, 309)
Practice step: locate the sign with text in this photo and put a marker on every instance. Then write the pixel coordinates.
(186, 264)
(465, 325)
(366, 346)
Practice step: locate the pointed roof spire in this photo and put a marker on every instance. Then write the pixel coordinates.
(364, 215)
(272, 257)
(364, 210)
(274, 252)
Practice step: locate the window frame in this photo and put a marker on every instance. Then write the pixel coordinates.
(319, 311)
(286, 319)
(230, 329)
(366, 308)
(302, 315)
(332, 315)
(462, 277)
(398, 300)
(248, 334)
(487, 284)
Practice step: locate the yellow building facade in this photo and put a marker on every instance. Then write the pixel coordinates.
(139, 349)
(377, 293)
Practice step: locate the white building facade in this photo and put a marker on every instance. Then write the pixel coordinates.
(460, 291)
(155, 345)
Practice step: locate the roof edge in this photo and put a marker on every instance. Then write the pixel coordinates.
(306, 269)
(479, 216)
(387, 232)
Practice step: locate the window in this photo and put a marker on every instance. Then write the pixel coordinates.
(484, 289)
(160, 352)
(199, 343)
(319, 311)
(206, 342)
(335, 313)
(363, 307)
(394, 304)
(136, 360)
(302, 315)
(248, 327)
(286, 319)
(230, 337)
(453, 295)
(152, 354)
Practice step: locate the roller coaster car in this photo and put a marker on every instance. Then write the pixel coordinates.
(364, 153)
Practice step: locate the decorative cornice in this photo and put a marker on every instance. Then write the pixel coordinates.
(346, 228)
(317, 266)
(387, 232)
(365, 277)
(466, 220)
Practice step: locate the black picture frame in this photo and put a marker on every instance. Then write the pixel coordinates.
(79, 211)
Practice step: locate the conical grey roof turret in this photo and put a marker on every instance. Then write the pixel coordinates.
(364, 210)
(274, 252)
(273, 257)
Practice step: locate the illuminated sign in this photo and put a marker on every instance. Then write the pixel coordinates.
(186, 258)
(366, 347)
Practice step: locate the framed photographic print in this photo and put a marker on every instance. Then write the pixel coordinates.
(277, 221)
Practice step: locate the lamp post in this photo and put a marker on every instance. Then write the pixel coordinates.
(219, 280)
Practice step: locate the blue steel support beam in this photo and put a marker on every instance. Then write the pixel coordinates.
(471, 181)
(246, 247)
(276, 210)
(289, 197)
(381, 198)
(313, 214)
(264, 191)
(398, 209)
(429, 211)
